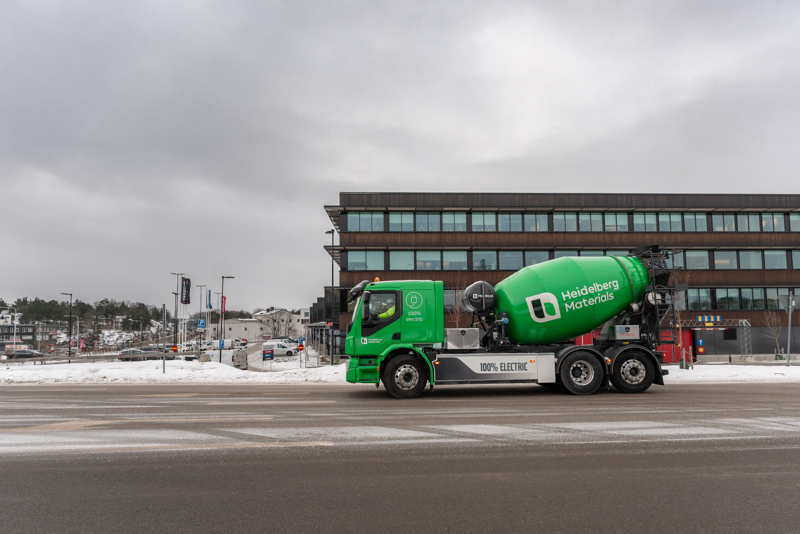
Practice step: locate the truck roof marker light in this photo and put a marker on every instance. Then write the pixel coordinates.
(377, 279)
(533, 361)
(435, 363)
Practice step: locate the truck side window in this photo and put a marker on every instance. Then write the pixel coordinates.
(382, 306)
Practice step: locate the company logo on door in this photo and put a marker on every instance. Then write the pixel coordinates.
(544, 307)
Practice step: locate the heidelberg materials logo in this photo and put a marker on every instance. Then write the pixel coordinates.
(544, 307)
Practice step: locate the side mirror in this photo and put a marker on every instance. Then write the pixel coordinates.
(365, 305)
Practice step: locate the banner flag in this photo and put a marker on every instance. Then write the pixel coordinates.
(208, 301)
(186, 288)
(223, 304)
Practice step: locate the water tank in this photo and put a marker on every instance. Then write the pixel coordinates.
(564, 298)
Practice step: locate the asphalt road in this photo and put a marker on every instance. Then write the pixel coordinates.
(315, 458)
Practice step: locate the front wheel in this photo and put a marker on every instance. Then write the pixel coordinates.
(288, 353)
(405, 377)
(633, 372)
(581, 373)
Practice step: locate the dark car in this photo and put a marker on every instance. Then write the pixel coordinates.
(26, 353)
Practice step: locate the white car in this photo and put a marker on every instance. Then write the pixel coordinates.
(279, 348)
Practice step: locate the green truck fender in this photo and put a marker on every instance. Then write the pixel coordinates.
(405, 348)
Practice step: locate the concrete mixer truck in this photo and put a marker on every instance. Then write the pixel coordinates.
(523, 329)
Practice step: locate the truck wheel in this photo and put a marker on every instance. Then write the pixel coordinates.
(405, 377)
(581, 373)
(633, 372)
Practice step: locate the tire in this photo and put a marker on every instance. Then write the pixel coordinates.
(405, 377)
(633, 372)
(581, 373)
(288, 353)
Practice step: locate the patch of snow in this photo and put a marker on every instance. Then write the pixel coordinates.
(714, 374)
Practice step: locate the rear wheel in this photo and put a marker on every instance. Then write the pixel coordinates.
(405, 377)
(633, 372)
(581, 373)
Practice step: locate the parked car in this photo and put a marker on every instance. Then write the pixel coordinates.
(279, 348)
(130, 354)
(24, 353)
(285, 339)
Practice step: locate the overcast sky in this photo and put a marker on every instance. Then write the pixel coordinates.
(143, 138)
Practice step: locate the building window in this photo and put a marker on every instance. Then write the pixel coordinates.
(794, 222)
(699, 299)
(748, 222)
(450, 296)
(695, 222)
(537, 222)
(591, 253)
(669, 222)
(401, 260)
(696, 259)
(532, 257)
(590, 221)
(723, 222)
(566, 253)
(511, 260)
(509, 222)
(429, 260)
(727, 299)
(616, 222)
(773, 294)
(365, 222)
(454, 221)
(796, 261)
(484, 260)
(484, 221)
(360, 260)
(622, 253)
(752, 298)
(565, 222)
(644, 222)
(750, 259)
(428, 222)
(775, 259)
(401, 221)
(725, 259)
(454, 260)
(772, 222)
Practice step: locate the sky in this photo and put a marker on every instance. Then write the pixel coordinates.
(143, 138)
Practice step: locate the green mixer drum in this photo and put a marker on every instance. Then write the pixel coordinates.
(560, 299)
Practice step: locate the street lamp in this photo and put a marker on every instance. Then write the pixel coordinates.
(332, 231)
(200, 300)
(69, 339)
(177, 288)
(222, 316)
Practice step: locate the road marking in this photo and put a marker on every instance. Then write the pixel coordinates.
(166, 447)
(240, 403)
(336, 433)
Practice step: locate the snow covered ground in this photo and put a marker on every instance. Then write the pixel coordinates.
(287, 372)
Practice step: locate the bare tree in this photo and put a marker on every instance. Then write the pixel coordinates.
(279, 323)
(772, 320)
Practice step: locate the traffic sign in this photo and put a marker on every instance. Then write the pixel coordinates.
(301, 339)
(300, 346)
(201, 324)
(330, 324)
(268, 354)
(174, 348)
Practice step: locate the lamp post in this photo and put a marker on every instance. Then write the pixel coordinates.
(332, 231)
(219, 316)
(14, 322)
(200, 300)
(177, 289)
(69, 339)
(222, 316)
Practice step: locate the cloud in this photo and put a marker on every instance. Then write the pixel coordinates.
(201, 136)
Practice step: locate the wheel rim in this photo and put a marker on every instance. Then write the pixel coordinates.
(406, 377)
(633, 372)
(581, 373)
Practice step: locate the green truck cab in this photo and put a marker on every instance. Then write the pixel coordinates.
(394, 319)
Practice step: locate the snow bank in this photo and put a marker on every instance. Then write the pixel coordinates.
(178, 371)
(287, 372)
(711, 374)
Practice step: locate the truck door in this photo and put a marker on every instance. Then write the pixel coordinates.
(381, 324)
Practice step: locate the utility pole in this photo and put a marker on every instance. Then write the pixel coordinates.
(222, 316)
(332, 231)
(200, 334)
(69, 338)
